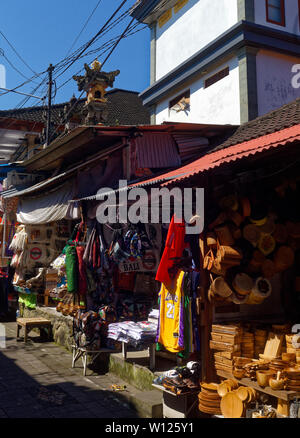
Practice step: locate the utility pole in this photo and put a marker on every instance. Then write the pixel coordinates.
(50, 83)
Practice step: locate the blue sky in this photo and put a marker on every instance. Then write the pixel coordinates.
(42, 32)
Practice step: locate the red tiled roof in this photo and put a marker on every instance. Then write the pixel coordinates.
(284, 117)
(229, 154)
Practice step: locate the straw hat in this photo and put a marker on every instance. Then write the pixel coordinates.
(284, 258)
(221, 288)
(242, 284)
(251, 233)
(266, 243)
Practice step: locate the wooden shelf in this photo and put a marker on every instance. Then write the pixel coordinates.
(283, 395)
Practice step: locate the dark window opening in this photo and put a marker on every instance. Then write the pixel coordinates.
(181, 102)
(217, 77)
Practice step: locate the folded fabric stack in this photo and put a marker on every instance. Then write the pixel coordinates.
(133, 333)
(154, 316)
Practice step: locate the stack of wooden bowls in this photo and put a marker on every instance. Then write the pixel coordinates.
(209, 399)
(227, 386)
(260, 339)
(235, 403)
(293, 378)
(252, 367)
(246, 394)
(289, 359)
(247, 345)
(293, 345)
(239, 362)
(277, 365)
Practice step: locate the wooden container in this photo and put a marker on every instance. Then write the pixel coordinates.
(284, 258)
(276, 384)
(243, 284)
(220, 287)
(280, 233)
(288, 357)
(224, 235)
(252, 234)
(268, 268)
(263, 376)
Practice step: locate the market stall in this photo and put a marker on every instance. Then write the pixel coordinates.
(251, 258)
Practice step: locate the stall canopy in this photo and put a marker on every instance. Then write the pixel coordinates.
(219, 158)
(48, 207)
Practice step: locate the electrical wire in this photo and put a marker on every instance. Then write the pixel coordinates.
(95, 73)
(109, 44)
(18, 55)
(94, 38)
(24, 83)
(84, 26)
(13, 66)
(110, 26)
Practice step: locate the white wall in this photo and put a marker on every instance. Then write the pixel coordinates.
(274, 80)
(217, 104)
(190, 29)
(291, 16)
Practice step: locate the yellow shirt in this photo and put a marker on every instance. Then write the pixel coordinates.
(171, 324)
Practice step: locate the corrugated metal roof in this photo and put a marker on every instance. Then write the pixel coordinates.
(156, 150)
(230, 154)
(191, 146)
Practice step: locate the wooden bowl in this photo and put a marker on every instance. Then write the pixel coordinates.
(263, 377)
(239, 373)
(223, 389)
(288, 357)
(275, 384)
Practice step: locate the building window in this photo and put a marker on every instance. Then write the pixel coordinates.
(217, 77)
(181, 102)
(275, 12)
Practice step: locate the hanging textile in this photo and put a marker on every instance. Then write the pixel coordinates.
(71, 269)
(48, 207)
(173, 249)
(171, 316)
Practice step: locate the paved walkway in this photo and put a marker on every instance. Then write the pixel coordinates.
(37, 381)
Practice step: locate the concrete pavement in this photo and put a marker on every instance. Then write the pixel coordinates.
(37, 381)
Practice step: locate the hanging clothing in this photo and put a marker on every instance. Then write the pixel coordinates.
(173, 249)
(171, 316)
(82, 281)
(71, 269)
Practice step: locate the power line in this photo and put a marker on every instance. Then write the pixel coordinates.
(103, 49)
(23, 83)
(12, 66)
(93, 39)
(24, 94)
(18, 55)
(84, 26)
(60, 65)
(95, 73)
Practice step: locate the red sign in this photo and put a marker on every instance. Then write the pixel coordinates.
(35, 253)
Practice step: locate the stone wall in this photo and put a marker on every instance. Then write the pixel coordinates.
(62, 326)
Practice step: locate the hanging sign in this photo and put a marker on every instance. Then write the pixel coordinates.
(148, 263)
(35, 253)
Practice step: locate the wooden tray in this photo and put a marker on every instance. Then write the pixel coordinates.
(232, 406)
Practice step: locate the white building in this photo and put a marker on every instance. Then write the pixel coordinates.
(220, 61)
